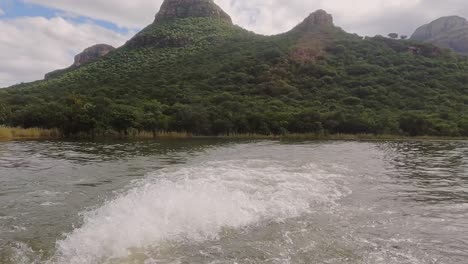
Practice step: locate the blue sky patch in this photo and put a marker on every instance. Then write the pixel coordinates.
(17, 8)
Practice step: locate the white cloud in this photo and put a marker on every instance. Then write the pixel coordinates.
(2, 12)
(33, 46)
(124, 13)
(366, 17)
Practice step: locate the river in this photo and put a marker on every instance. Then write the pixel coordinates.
(220, 201)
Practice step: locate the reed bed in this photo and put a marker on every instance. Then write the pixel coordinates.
(159, 135)
(15, 133)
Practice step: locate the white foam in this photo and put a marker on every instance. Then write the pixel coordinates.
(50, 204)
(196, 203)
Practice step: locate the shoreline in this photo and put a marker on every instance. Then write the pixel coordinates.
(19, 134)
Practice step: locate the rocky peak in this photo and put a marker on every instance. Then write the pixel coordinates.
(440, 26)
(91, 54)
(319, 19)
(446, 32)
(313, 35)
(173, 9)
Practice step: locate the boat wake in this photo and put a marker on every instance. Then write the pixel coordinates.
(195, 204)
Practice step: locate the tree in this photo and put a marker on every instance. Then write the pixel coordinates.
(257, 123)
(190, 118)
(403, 37)
(463, 126)
(308, 121)
(4, 114)
(78, 114)
(123, 117)
(393, 35)
(222, 127)
(415, 124)
(46, 115)
(153, 118)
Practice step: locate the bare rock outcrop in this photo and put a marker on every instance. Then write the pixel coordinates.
(318, 20)
(89, 55)
(92, 54)
(314, 34)
(174, 9)
(446, 32)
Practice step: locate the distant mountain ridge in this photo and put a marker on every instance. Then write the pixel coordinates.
(447, 32)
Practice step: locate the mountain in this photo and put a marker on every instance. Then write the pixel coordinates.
(447, 32)
(89, 55)
(178, 9)
(181, 23)
(193, 70)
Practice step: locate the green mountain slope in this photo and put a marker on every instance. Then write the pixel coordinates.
(193, 70)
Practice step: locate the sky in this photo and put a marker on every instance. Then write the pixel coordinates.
(39, 36)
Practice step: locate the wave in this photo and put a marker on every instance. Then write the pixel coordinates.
(196, 203)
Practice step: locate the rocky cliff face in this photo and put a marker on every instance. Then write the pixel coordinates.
(447, 32)
(89, 55)
(315, 33)
(92, 54)
(173, 9)
(318, 20)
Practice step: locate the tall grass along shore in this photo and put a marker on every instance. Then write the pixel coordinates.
(16, 133)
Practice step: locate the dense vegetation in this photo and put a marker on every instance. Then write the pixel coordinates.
(207, 77)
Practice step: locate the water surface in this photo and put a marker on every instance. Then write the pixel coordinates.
(218, 201)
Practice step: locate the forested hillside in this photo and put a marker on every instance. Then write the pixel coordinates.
(199, 73)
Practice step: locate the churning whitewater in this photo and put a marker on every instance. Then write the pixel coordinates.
(193, 204)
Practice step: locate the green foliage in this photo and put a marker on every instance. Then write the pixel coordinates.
(463, 126)
(415, 124)
(153, 118)
(204, 76)
(4, 114)
(393, 35)
(123, 117)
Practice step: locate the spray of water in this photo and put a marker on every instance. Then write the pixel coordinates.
(196, 203)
